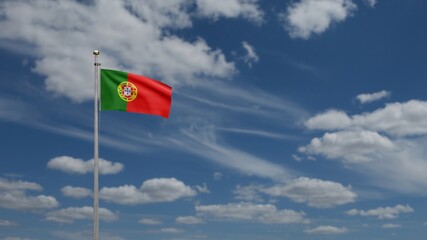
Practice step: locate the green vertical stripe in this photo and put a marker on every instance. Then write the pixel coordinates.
(110, 80)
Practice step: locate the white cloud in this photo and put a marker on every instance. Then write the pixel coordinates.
(151, 191)
(391, 225)
(350, 146)
(316, 193)
(329, 120)
(386, 145)
(263, 213)
(307, 17)
(202, 189)
(7, 223)
(150, 221)
(188, 220)
(81, 27)
(76, 192)
(371, 97)
(248, 193)
(248, 9)
(14, 185)
(397, 119)
(72, 165)
(326, 230)
(382, 212)
(173, 14)
(371, 3)
(251, 56)
(13, 196)
(69, 215)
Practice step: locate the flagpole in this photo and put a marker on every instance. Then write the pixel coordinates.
(96, 152)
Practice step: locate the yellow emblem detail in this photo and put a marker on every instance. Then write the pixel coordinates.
(127, 91)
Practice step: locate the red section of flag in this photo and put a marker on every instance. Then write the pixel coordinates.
(153, 97)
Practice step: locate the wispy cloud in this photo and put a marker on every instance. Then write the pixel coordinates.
(7, 223)
(251, 56)
(191, 220)
(391, 225)
(202, 142)
(371, 97)
(371, 3)
(258, 133)
(150, 221)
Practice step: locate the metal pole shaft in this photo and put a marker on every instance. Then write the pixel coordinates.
(96, 154)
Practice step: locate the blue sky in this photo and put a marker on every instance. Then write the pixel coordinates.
(298, 119)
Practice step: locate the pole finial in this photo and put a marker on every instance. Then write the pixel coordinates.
(96, 52)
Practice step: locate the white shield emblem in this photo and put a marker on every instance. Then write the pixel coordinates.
(127, 91)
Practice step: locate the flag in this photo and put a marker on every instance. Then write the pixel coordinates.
(129, 92)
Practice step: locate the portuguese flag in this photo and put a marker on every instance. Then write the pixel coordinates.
(129, 92)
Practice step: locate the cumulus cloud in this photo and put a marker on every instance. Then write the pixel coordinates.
(13, 196)
(189, 220)
(326, 230)
(35, 24)
(316, 193)
(350, 146)
(76, 192)
(386, 144)
(397, 119)
(371, 97)
(248, 193)
(251, 56)
(69, 215)
(72, 165)
(151, 191)
(215, 9)
(13, 185)
(263, 213)
(329, 120)
(382, 212)
(307, 17)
